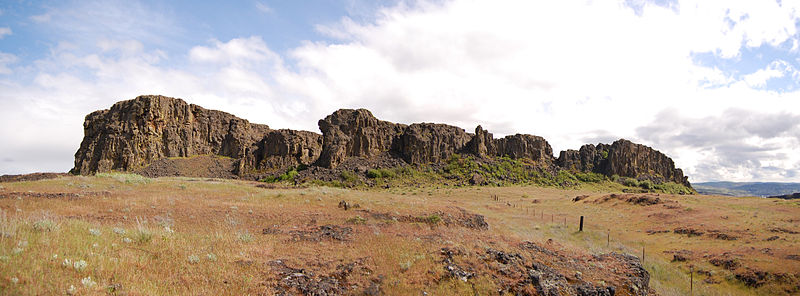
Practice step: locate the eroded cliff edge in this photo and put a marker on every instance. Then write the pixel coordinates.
(135, 134)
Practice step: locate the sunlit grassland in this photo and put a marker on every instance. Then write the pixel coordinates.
(199, 236)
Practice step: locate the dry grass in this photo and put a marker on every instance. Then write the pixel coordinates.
(198, 236)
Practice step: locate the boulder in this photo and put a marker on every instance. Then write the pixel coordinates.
(355, 133)
(431, 142)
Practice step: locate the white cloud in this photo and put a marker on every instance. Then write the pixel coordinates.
(85, 22)
(775, 69)
(5, 60)
(42, 18)
(263, 7)
(5, 31)
(569, 71)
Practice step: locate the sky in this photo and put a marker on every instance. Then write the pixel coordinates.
(713, 84)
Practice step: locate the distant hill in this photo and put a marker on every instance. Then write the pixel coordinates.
(763, 189)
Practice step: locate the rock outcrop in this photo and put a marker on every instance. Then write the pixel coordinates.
(623, 158)
(430, 142)
(134, 134)
(482, 143)
(355, 133)
(525, 146)
(285, 148)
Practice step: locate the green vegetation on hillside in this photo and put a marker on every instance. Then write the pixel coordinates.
(460, 170)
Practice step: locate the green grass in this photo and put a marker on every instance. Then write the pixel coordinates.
(127, 178)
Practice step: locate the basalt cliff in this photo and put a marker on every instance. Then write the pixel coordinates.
(140, 135)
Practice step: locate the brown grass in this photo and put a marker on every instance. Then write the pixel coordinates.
(214, 242)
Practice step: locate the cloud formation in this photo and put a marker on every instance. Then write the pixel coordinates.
(5, 31)
(572, 72)
(739, 144)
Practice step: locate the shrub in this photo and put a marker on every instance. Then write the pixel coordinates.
(142, 235)
(245, 237)
(44, 225)
(387, 173)
(432, 219)
(373, 174)
(590, 177)
(357, 220)
(380, 173)
(289, 175)
(211, 257)
(565, 179)
(193, 259)
(630, 182)
(646, 184)
(673, 188)
(349, 178)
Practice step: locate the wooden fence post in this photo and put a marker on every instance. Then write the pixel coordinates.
(581, 227)
(691, 280)
(642, 255)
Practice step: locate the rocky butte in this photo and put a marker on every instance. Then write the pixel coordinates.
(150, 133)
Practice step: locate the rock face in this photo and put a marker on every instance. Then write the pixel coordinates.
(355, 133)
(582, 160)
(623, 158)
(525, 146)
(430, 142)
(284, 148)
(134, 133)
(482, 143)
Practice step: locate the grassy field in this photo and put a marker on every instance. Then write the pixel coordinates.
(126, 234)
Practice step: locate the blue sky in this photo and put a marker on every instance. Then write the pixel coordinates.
(712, 84)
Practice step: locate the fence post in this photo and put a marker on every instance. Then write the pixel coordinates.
(642, 255)
(608, 239)
(691, 280)
(581, 227)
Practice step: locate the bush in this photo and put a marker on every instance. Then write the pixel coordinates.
(630, 182)
(590, 177)
(373, 174)
(357, 220)
(289, 175)
(565, 179)
(432, 219)
(673, 188)
(647, 184)
(380, 173)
